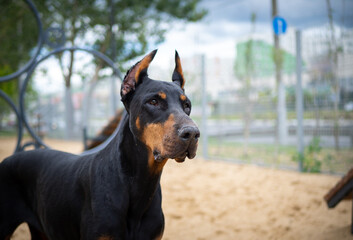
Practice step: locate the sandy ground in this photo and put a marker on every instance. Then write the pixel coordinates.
(218, 200)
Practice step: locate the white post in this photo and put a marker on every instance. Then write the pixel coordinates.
(299, 100)
(204, 110)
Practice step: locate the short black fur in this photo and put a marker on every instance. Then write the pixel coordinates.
(112, 194)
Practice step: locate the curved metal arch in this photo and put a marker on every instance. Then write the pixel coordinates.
(19, 120)
(116, 72)
(39, 46)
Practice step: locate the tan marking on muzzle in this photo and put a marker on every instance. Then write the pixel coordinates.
(154, 134)
(154, 166)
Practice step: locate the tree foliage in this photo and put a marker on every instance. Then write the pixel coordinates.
(122, 29)
(18, 39)
(135, 24)
(18, 34)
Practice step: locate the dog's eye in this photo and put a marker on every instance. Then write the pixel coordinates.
(153, 102)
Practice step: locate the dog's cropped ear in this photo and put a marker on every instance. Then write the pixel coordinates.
(178, 76)
(135, 74)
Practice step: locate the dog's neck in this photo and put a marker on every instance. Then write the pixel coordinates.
(129, 157)
(141, 161)
(136, 160)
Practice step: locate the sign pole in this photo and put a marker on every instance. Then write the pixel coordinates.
(279, 27)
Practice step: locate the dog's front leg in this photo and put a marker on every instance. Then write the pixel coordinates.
(104, 223)
(152, 222)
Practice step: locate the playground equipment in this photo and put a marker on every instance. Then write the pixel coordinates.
(343, 190)
(27, 70)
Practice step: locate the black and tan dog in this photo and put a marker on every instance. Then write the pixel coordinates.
(114, 193)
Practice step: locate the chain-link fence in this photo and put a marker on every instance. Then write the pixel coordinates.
(242, 101)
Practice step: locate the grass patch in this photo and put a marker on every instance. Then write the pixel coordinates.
(271, 115)
(327, 159)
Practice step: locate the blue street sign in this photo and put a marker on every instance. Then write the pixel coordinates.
(279, 25)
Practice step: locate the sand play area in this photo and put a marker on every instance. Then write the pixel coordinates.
(219, 200)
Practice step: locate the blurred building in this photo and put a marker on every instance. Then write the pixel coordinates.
(225, 76)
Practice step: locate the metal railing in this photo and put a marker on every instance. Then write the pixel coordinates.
(54, 38)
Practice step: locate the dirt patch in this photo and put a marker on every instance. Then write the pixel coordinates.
(8, 144)
(217, 200)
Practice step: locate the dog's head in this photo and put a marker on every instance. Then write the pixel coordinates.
(159, 112)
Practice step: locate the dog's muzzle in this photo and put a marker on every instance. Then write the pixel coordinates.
(189, 136)
(183, 143)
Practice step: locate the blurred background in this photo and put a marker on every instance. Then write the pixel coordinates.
(271, 82)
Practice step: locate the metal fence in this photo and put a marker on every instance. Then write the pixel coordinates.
(234, 100)
(240, 121)
(35, 113)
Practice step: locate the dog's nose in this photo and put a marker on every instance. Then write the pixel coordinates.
(189, 133)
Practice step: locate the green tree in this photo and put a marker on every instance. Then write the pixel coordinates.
(122, 29)
(10, 88)
(134, 25)
(18, 35)
(18, 38)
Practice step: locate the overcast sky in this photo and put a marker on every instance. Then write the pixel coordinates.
(298, 13)
(228, 20)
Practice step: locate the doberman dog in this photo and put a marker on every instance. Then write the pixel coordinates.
(114, 193)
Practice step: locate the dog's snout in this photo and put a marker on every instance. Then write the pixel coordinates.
(189, 133)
